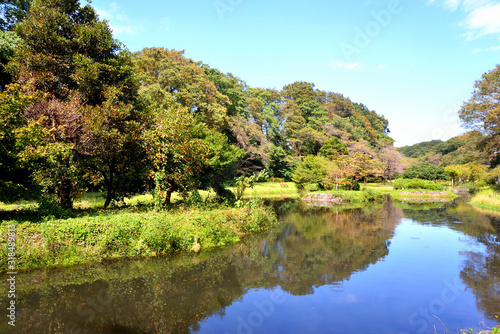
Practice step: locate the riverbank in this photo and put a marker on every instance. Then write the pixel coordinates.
(370, 194)
(130, 232)
(488, 198)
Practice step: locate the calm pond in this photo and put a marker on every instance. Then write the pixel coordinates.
(389, 268)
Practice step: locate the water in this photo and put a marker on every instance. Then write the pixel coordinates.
(378, 269)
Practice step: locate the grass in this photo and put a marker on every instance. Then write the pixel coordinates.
(272, 189)
(487, 198)
(129, 232)
(423, 195)
(377, 192)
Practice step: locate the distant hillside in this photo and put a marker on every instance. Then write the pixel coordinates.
(457, 150)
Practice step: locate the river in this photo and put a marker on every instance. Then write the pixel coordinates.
(387, 268)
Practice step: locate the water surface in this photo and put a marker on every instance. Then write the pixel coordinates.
(378, 269)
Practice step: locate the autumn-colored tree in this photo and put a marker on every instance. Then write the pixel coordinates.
(391, 163)
(70, 60)
(482, 111)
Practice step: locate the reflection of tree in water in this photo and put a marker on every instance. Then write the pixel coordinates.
(313, 248)
(481, 270)
(323, 246)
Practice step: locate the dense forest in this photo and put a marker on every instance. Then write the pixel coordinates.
(80, 112)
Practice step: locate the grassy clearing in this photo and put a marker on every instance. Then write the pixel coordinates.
(488, 198)
(128, 233)
(272, 189)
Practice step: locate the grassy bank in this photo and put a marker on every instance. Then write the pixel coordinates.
(423, 196)
(125, 233)
(488, 198)
(377, 193)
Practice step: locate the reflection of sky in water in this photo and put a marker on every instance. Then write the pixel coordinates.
(413, 289)
(376, 270)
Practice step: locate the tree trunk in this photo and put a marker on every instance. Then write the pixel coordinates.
(110, 185)
(168, 196)
(63, 194)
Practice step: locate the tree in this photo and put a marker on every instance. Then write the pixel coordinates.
(180, 82)
(313, 169)
(12, 12)
(70, 60)
(186, 118)
(279, 166)
(426, 171)
(14, 180)
(175, 153)
(482, 111)
(391, 163)
(333, 147)
(8, 43)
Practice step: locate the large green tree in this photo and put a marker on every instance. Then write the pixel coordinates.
(186, 146)
(482, 111)
(69, 59)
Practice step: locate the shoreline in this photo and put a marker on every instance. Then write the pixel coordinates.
(123, 234)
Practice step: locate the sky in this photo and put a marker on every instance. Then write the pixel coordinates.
(413, 61)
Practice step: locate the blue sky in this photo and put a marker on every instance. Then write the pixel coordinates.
(413, 61)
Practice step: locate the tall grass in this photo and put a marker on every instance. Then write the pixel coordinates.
(487, 198)
(123, 233)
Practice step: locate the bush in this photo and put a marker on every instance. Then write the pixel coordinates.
(404, 184)
(426, 171)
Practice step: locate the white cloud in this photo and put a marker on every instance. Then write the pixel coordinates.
(124, 29)
(452, 5)
(119, 22)
(381, 67)
(482, 16)
(493, 48)
(348, 66)
(482, 21)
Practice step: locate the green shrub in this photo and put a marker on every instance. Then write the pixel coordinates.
(405, 184)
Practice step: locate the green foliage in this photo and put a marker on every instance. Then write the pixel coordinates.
(426, 171)
(405, 184)
(113, 235)
(279, 166)
(12, 12)
(8, 43)
(420, 149)
(333, 147)
(81, 123)
(50, 209)
(457, 150)
(313, 169)
(15, 181)
(243, 182)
